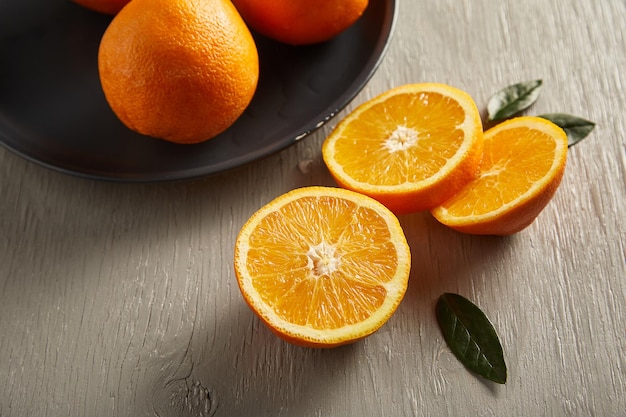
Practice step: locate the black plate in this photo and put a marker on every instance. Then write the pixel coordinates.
(53, 112)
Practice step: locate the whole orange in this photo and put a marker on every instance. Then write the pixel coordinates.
(103, 6)
(180, 70)
(300, 22)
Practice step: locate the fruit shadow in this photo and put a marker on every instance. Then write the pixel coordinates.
(444, 260)
(238, 367)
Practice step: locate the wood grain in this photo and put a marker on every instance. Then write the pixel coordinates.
(120, 300)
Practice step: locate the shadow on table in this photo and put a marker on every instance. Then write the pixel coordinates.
(444, 260)
(239, 368)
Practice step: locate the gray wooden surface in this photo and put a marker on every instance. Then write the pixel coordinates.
(120, 300)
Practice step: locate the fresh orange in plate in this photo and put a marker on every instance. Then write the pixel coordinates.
(301, 22)
(411, 148)
(523, 163)
(179, 70)
(322, 266)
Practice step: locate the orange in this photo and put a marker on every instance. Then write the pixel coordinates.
(410, 148)
(322, 266)
(103, 6)
(180, 70)
(300, 22)
(524, 161)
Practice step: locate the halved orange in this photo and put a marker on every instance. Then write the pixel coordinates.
(523, 163)
(322, 266)
(410, 148)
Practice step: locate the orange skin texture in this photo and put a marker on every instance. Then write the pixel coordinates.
(517, 219)
(300, 22)
(179, 70)
(103, 6)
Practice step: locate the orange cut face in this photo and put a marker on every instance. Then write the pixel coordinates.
(322, 266)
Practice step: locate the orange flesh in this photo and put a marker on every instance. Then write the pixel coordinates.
(320, 274)
(517, 157)
(426, 137)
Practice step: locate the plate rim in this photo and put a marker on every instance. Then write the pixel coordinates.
(306, 130)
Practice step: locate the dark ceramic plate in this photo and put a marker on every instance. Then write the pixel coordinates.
(53, 112)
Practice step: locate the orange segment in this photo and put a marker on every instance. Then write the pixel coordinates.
(322, 266)
(411, 148)
(523, 163)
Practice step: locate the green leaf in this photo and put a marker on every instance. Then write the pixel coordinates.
(575, 127)
(513, 99)
(471, 337)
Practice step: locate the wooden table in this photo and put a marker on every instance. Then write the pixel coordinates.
(120, 299)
